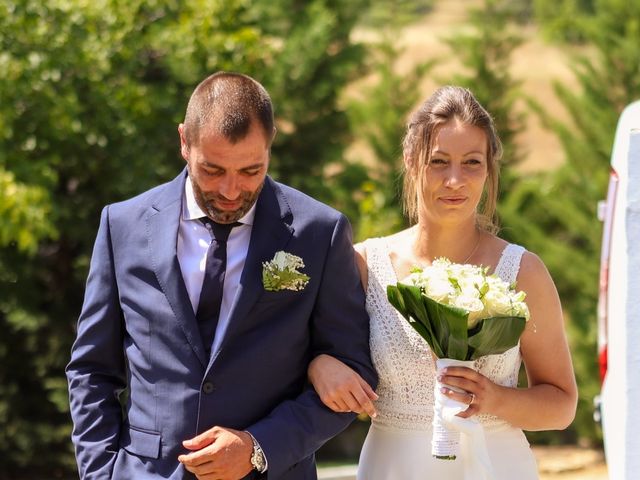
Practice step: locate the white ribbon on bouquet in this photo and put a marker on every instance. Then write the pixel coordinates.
(447, 428)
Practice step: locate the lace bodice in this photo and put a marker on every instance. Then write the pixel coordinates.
(403, 360)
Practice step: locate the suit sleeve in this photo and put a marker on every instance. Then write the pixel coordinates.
(96, 372)
(340, 327)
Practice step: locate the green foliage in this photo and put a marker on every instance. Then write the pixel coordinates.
(92, 93)
(24, 211)
(563, 20)
(382, 13)
(313, 58)
(555, 214)
(378, 116)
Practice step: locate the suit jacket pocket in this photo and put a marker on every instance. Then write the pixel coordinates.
(144, 443)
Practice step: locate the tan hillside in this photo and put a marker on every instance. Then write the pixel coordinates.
(536, 63)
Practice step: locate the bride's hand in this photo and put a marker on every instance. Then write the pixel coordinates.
(479, 392)
(340, 388)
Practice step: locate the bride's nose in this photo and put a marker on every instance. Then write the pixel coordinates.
(454, 176)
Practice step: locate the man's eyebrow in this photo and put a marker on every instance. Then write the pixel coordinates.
(252, 167)
(211, 165)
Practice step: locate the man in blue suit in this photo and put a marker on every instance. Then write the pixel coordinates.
(158, 390)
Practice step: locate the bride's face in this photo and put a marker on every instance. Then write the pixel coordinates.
(455, 175)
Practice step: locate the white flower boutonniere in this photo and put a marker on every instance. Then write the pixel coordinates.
(282, 273)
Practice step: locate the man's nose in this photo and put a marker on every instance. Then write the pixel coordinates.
(229, 188)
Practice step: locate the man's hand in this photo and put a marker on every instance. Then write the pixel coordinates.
(219, 453)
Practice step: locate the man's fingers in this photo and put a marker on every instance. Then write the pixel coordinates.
(201, 441)
(193, 459)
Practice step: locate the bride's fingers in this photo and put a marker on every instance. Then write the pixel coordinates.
(364, 403)
(339, 406)
(466, 397)
(468, 383)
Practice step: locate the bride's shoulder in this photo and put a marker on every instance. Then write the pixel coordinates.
(532, 274)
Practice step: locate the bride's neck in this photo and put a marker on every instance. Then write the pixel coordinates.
(459, 244)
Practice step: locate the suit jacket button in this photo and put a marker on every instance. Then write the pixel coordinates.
(207, 387)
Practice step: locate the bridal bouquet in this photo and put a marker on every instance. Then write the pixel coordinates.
(463, 313)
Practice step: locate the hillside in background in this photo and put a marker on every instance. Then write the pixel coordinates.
(536, 63)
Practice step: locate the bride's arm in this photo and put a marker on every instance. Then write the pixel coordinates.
(340, 388)
(549, 401)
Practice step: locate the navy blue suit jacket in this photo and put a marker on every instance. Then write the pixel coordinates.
(137, 334)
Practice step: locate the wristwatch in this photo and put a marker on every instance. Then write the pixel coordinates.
(258, 461)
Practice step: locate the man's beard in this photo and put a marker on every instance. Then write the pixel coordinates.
(207, 203)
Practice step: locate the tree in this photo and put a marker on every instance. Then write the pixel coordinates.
(555, 213)
(91, 94)
(389, 100)
(563, 20)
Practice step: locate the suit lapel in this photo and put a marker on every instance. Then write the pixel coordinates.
(163, 223)
(271, 232)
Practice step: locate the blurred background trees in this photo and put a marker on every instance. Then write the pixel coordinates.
(92, 92)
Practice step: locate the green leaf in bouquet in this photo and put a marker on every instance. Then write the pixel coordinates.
(407, 299)
(443, 327)
(450, 328)
(495, 335)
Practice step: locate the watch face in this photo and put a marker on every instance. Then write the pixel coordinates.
(257, 459)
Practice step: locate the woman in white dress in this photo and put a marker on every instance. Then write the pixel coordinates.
(451, 153)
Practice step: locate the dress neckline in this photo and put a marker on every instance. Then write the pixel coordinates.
(387, 256)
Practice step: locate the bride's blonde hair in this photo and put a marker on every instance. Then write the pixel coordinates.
(448, 103)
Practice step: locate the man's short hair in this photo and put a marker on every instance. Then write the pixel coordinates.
(228, 104)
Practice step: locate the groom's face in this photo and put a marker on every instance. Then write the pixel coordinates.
(226, 177)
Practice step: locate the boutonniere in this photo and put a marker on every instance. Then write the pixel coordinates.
(282, 273)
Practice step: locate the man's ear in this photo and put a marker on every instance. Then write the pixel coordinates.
(184, 147)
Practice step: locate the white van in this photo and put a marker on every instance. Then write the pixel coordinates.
(619, 303)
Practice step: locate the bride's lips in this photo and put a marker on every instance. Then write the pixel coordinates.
(453, 200)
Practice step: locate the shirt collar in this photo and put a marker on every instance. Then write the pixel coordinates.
(192, 211)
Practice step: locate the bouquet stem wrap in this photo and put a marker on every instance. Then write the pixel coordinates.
(448, 429)
(445, 442)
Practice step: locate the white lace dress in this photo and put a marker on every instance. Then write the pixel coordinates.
(398, 445)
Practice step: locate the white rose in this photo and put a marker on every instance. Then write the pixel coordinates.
(439, 289)
(471, 304)
(498, 304)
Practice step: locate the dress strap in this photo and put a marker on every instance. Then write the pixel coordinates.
(375, 250)
(509, 264)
